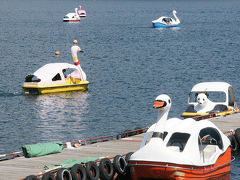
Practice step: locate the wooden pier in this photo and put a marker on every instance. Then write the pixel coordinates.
(20, 167)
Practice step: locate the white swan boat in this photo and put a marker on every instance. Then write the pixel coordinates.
(211, 99)
(164, 21)
(54, 77)
(72, 17)
(180, 149)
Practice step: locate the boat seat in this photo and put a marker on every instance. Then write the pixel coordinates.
(174, 148)
(75, 80)
(72, 80)
(208, 151)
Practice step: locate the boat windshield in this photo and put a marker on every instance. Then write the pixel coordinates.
(68, 71)
(32, 78)
(178, 139)
(214, 96)
(57, 77)
(210, 136)
(167, 19)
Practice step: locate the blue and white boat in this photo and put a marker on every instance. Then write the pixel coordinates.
(164, 21)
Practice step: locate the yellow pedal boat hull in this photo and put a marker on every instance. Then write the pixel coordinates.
(55, 88)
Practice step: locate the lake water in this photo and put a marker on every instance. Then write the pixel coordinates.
(127, 61)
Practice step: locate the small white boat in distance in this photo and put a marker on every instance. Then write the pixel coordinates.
(81, 12)
(164, 21)
(72, 17)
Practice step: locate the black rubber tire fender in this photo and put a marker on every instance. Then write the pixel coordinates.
(78, 172)
(237, 135)
(106, 169)
(63, 174)
(48, 176)
(31, 177)
(234, 143)
(127, 157)
(92, 170)
(119, 164)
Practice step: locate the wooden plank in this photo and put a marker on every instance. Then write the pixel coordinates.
(226, 123)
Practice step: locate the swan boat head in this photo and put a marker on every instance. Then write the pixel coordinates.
(163, 104)
(177, 21)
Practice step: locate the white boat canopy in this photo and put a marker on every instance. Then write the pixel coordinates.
(211, 86)
(188, 134)
(46, 74)
(220, 92)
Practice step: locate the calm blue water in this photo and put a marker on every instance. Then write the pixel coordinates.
(127, 62)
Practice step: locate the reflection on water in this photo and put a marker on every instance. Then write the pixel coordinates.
(59, 115)
(172, 28)
(235, 166)
(55, 105)
(10, 94)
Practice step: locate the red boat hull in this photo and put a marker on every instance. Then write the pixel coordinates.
(157, 170)
(71, 20)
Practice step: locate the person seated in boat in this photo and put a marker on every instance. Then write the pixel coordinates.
(164, 20)
(167, 20)
(74, 77)
(209, 140)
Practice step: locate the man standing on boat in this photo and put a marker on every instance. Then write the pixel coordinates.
(75, 49)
